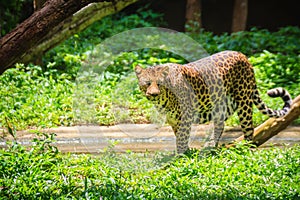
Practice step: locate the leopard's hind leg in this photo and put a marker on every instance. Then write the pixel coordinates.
(218, 118)
(245, 110)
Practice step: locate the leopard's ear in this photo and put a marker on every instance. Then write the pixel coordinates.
(138, 69)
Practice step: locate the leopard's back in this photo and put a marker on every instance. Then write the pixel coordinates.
(226, 78)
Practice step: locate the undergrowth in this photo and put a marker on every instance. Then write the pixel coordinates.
(42, 96)
(42, 172)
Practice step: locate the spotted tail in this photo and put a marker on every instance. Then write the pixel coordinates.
(276, 92)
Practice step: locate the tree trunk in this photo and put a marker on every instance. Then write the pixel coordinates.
(37, 5)
(193, 16)
(273, 126)
(240, 13)
(54, 22)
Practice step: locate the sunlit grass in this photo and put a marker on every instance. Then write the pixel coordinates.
(42, 172)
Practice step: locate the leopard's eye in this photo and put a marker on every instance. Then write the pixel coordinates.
(148, 83)
(160, 83)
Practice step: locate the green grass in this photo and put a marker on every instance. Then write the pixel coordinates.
(42, 172)
(42, 96)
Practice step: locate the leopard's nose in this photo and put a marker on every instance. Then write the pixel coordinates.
(152, 93)
(153, 90)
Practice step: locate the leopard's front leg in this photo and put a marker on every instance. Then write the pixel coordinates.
(182, 129)
(214, 135)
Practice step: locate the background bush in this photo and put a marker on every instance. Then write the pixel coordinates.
(33, 96)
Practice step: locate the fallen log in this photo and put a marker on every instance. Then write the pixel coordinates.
(273, 126)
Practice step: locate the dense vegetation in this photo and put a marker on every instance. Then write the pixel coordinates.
(42, 96)
(34, 96)
(41, 172)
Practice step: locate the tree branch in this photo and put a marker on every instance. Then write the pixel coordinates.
(51, 25)
(78, 22)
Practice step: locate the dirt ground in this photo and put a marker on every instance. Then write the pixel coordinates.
(136, 137)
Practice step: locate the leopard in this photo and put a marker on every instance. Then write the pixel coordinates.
(210, 89)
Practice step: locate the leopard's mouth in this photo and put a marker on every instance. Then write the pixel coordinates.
(153, 97)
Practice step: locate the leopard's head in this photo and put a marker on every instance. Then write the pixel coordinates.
(152, 81)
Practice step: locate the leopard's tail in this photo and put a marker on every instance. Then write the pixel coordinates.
(276, 92)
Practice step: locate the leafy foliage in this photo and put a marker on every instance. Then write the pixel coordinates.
(43, 96)
(31, 97)
(26, 171)
(66, 57)
(284, 41)
(41, 172)
(277, 70)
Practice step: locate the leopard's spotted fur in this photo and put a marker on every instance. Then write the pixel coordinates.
(211, 88)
